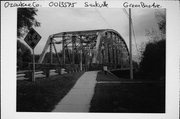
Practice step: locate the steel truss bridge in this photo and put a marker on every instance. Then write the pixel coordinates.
(86, 49)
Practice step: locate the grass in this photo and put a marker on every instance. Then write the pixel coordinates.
(44, 94)
(108, 77)
(138, 75)
(128, 96)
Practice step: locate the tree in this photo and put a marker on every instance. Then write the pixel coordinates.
(23, 55)
(154, 34)
(161, 19)
(153, 57)
(153, 60)
(25, 20)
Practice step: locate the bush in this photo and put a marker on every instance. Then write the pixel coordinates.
(24, 56)
(153, 60)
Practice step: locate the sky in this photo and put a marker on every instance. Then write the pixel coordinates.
(56, 20)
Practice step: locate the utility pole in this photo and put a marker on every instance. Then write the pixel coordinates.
(130, 45)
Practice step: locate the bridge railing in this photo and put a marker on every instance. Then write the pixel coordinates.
(45, 69)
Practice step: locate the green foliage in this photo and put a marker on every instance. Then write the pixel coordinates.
(25, 20)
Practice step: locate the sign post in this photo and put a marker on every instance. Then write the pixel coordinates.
(33, 74)
(32, 39)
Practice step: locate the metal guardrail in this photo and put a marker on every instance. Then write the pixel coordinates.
(27, 74)
(45, 70)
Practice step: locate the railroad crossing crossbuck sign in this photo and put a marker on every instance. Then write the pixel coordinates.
(32, 38)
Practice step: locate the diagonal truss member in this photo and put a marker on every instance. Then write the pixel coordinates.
(104, 46)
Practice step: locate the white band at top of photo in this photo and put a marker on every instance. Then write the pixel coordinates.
(88, 4)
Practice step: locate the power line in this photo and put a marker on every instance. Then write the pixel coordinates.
(134, 37)
(124, 10)
(103, 18)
